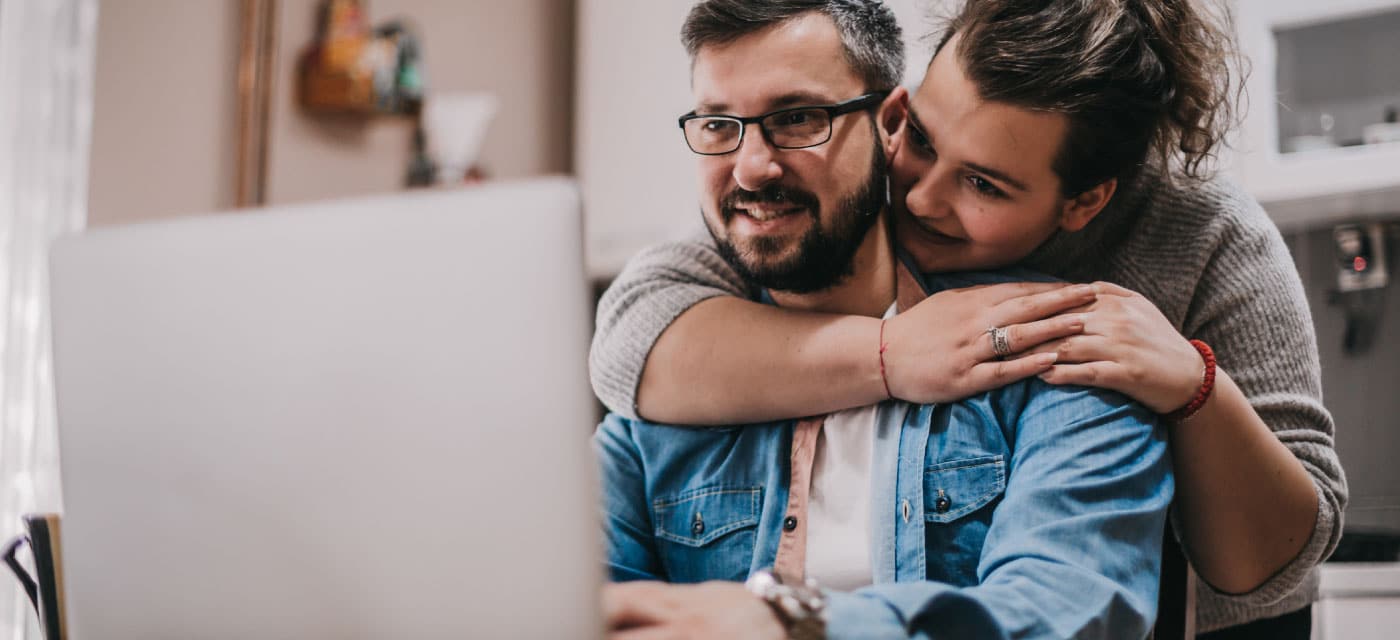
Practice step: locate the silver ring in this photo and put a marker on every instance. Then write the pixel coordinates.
(1001, 344)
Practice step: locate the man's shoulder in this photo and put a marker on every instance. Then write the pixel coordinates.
(673, 437)
(1034, 407)
(1044, 409)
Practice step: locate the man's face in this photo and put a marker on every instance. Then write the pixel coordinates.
(973, 181)
(788, 219)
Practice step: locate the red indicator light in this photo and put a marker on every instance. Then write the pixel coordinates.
(1358, 264)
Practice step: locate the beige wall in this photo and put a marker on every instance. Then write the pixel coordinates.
(520, 50)
(163, 134)
(165, 102)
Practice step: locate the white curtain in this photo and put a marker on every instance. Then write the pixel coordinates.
(47, 52)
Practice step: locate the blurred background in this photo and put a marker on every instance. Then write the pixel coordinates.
(118, 112)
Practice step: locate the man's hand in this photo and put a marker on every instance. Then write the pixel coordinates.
(654, 610)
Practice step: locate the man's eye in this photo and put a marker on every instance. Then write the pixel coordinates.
(792, 119)
(718, 126)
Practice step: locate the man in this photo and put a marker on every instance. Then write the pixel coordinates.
(1029, 511)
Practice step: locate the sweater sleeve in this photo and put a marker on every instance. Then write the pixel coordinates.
(1250, 307)
(655, 287)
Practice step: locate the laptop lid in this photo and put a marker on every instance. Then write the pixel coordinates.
(355, 419)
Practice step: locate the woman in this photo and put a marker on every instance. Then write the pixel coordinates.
(1138, 94)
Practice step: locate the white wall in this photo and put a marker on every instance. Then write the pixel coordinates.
(633, 82)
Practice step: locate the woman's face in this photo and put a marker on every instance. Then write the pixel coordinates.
(972, 182)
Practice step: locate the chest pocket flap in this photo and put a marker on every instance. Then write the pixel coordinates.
(698, 517)
(956, 488)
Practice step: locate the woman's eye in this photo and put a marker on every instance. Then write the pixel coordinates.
(984, 187)
(920, 140)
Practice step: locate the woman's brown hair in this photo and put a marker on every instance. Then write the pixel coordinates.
(1141, 81)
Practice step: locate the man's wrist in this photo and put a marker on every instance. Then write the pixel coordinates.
(801, 608)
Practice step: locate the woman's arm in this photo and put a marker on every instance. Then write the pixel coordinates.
(1259, 488)
(1275, 505)
(729, 360)
(1247, 506)
(657, 285)
(679, 341)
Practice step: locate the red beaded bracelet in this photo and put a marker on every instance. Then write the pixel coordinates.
(1207, 385)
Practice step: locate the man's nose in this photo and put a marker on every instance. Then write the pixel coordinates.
(755, 161)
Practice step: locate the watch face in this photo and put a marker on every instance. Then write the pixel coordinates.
(791, 603)
(800, 608)
(761, 583)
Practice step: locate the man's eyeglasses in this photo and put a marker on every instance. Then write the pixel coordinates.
(793, 128)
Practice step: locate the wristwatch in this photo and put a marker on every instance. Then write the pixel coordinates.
(801, 608)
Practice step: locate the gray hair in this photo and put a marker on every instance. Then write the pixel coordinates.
(870, 35)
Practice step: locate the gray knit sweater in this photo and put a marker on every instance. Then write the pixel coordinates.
(1205, 254)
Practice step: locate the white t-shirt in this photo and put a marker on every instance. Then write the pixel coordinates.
(838, 507)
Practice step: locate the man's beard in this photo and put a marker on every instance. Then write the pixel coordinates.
(824, 257)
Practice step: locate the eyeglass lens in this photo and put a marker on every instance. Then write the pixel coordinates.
(793, 129)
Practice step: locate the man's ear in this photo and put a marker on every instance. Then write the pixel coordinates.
(890, 119)
(1081, 209)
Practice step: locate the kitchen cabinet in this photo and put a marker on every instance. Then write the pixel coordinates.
(1360, 601)
(1321, 72)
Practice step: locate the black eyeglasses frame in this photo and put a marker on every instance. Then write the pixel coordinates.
(858, 103)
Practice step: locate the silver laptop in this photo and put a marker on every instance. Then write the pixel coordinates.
(358, 419)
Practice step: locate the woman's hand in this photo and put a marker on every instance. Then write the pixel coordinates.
(939, 350)
(1127, 345)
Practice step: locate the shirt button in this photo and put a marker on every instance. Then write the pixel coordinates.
(942, 504)
(789, 523)
(697, 527)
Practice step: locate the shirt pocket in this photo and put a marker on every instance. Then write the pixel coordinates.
(707, 533)
(960, 497)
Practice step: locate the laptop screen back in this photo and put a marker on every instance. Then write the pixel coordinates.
(357, 419)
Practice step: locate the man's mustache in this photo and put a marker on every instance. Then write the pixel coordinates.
(772, 195)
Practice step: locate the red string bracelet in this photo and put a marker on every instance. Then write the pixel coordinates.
(884, 345)
(1207, 385)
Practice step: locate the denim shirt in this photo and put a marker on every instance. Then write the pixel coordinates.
(1029, 511)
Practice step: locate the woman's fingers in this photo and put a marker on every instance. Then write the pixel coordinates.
(1079, 348)
(1027, 335)
(1041, 305)
(933, 347)
(1108, 288)
(1099, 373)
(999, 373)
